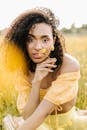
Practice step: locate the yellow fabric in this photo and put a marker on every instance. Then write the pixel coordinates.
(66, 121)
(23, 88)
(63, 89)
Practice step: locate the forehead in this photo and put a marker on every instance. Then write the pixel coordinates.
(41, 29)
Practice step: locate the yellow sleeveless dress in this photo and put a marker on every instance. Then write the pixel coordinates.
(13, 72)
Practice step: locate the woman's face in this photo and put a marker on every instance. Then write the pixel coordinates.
(40, 42)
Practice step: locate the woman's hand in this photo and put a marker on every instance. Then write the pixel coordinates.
(43, 68)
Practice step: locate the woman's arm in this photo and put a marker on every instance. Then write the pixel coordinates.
(42, 70)
(38, 116)
(42, 111)
(33, 101)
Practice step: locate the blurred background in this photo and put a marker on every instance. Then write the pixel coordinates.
(73, 25)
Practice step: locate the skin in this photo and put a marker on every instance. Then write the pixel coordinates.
(41, 37)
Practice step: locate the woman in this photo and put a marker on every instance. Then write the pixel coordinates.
(47, 91)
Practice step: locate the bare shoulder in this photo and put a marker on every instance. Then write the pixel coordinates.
(70, 64)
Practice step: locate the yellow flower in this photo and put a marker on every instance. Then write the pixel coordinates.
(43, 51)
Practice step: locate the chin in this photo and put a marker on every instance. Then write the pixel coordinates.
(37, 60)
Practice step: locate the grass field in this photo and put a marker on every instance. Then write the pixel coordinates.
(76, 46)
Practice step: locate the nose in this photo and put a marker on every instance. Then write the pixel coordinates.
(38, 45)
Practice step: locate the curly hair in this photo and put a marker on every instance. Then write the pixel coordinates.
(18, 33)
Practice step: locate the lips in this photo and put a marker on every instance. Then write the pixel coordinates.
(36, 55)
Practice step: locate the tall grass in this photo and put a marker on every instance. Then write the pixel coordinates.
(77, 46)
(7, 102)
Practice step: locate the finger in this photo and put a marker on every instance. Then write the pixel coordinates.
(45, 69)
(50, 60)
(49, 65)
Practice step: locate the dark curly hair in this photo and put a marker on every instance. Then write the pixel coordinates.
(18, 33)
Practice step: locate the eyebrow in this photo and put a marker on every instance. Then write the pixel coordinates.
(43, 36)
(30, 35)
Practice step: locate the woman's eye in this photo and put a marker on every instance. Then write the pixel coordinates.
(45, 40)
(30, 39)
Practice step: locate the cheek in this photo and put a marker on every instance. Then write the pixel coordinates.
(49, 47)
